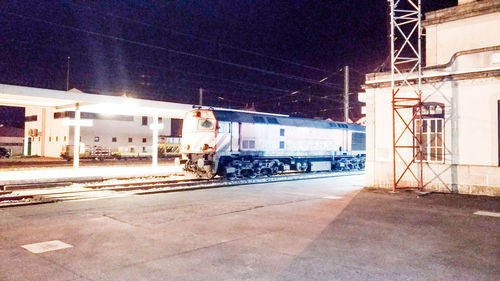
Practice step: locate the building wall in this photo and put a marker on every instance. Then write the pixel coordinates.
(463, 73)
(106, 130)
(54, 134)
(471, 163)
(446, 35)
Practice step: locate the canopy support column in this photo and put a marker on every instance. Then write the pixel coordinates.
(25, 145)
(76, 138)
(154, 148)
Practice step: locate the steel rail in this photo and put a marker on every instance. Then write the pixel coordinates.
(159, 186)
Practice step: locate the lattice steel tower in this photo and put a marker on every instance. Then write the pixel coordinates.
(406, 75)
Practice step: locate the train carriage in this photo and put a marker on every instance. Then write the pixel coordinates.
(247, 144)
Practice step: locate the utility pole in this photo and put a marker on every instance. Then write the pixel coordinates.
(200, 101)
(346, 93)
(67, 75)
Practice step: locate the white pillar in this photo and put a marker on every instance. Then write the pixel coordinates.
(154, 148)
(25, 145)
(76, 140)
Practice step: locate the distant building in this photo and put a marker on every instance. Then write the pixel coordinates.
(48, 132)
(461, 104)
(112, 124)
(11, 138)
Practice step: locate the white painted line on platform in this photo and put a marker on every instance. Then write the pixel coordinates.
(47, 246)
(332, 197)
(489, 214)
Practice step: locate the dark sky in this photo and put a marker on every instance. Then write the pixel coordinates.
(240, 52)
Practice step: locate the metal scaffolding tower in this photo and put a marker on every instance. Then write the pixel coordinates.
(406, 70)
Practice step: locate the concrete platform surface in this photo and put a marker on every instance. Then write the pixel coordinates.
(323, 229)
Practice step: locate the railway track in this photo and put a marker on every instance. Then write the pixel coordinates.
(102, 190)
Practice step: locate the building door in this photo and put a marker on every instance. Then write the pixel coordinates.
(235, 136)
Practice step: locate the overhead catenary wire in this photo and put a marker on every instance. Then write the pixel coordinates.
(207, 88)
(239, 88)
(298, 91)
(112, 37)
(173, 31)
(168, 69)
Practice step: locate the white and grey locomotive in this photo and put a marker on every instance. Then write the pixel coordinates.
(248, 144)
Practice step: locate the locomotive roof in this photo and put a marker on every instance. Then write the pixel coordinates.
(246, 117)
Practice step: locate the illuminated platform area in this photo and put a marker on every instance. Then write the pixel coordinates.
(76, 124)
(62, 174)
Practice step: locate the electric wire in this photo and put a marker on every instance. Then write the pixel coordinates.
(116, 38)
(173, 31)
(168, 69)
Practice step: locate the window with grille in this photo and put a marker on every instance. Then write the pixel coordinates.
(432, 125)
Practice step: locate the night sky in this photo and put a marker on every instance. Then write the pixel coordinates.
(240, 52)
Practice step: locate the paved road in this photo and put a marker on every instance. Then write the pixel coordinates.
(325, 229)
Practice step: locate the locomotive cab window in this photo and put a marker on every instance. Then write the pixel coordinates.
(205, 124)
(282, 132)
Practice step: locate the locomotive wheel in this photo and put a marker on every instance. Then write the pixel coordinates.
(191, 174)
(266, 172)
(247, 173)
(209, 175)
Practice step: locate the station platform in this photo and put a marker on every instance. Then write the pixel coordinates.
(91, 173)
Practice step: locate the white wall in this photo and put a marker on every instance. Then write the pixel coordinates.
(445, 39)
(122, 130)
(470, 130)
(53, 134)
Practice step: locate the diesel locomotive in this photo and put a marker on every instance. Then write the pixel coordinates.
(232, 143)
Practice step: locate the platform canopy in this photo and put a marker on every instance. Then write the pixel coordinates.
(20, 96)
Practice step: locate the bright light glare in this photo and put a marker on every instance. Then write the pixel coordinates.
(126, 108)
(83, 122)
(157, 126)
(91, 172)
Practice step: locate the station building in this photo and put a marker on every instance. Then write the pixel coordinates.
(116, 124)
(461, 104)
(48, 133)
